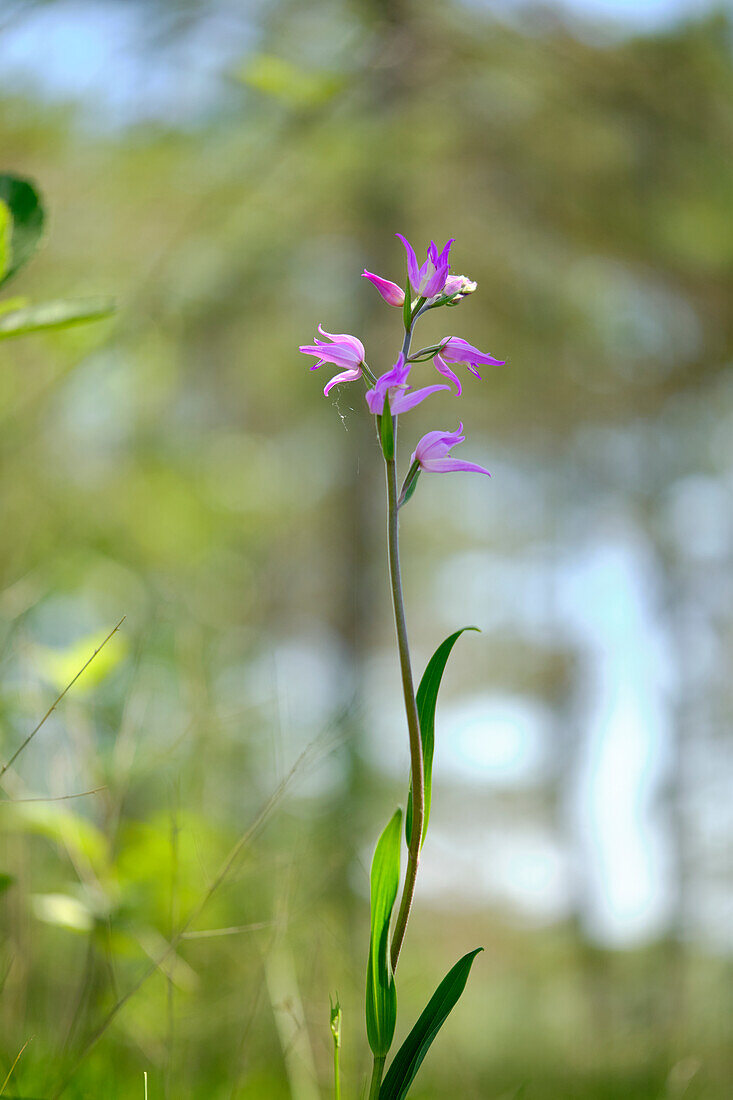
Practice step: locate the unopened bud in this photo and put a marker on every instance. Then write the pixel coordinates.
(458, 286)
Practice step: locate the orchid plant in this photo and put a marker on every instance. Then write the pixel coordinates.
(388, 397)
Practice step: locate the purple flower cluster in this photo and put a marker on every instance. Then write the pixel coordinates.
(391, 393)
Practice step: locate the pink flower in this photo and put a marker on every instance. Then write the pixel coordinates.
(394, 385)
(343, 351)
(393, 295)
(433, 453)
(427, 281)
(456, 350)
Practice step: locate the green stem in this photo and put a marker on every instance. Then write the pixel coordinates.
(413, 724)
(336, 1073)
(377, 1072)
(408, 689)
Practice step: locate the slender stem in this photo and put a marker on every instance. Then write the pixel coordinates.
(413, 724)
(336, 1073)
(377, 1072)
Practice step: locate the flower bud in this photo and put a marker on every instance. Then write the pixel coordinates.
(457, 287)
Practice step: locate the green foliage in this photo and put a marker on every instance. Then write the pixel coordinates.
(386, 432)
(61, 665)
(293, 85)
(427, 700)
(409, 1057)
(6, 227)
(407, 304)
(21, 199)
(381, 995)
(71, 832)
(22, 220)
(53, 315)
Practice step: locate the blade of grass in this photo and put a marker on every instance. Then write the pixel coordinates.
(57, 700)
(55, 798)
(10, 1071)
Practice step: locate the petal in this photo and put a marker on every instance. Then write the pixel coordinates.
(443, 258)
(412, 268)
(352, 375)
(457, 350)
(339, 356)
(396, 375)
(346, 339)
(375, 401)
(442, 366)
(393, 295)
(442, 441)
(448, 465)
(403, 402)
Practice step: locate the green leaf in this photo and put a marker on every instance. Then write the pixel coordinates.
(9, 304)
(407, 305)
(6, 881)
(409, 484)
(386, 432)
(53, 315)
(6, 228)
(381, 996)
(63, 910)
(427, 699)
(409, 1057)
(297, 87)
(27, 218)
(60, 665)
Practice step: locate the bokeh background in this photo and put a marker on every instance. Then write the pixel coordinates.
(226, 169)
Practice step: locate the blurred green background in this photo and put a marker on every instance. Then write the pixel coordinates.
(226, 170)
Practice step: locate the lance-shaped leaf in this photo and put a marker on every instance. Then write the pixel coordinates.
(409, 1057)
(27, 218)
(407, 305)
(386, 432)
(53, 315)
(427, 699)
(6, 228)
(381, 996)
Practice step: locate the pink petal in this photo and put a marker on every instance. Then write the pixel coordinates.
(442, 366)
(352, 375)
(393, 295)
(405, 401)
(412, 268)
(345, 338)
(447, 465)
